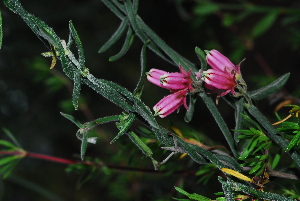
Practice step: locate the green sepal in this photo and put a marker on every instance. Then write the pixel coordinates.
(269, 89)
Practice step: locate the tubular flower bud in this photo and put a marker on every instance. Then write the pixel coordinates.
(170, 103)
(224, 77)
(215, 79)
(172, 81)
(219, 62)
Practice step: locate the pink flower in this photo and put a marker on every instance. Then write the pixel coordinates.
(172, 81)
(170, 103)
(215, 79)
(219, 62)
(224, 76)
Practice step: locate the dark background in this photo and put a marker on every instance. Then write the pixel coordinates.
(32, 96)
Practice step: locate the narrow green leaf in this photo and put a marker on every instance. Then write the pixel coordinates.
(1, 32)
(221, 123)
(7, 144)
(126, 45)
(260, 194)
(189, 113)
(276, 161)
(140, 144)
(143, 58)
(206, 8)
(11, 137)
(78, 43)
(227, 189)
(190, 150)
(83, 147)
(269, 89)
(76, 89)
(113, 8)
(135, 6)
(9, 159)
(124, 125)
(71, 118)
(264, 24)
(103, 120)
(193, 196)
(202, 57)
(176, 58)
(293, 142)
(116, 36)
(230, 161)
(272, 133)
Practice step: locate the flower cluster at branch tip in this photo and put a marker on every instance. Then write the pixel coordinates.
(224, 75)
(178, 83)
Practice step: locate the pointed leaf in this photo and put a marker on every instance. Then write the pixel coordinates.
(11, 137)
(113, 8)
(71, 118)
(193, 196)
(115, 37)
(293, 142)
(269, 89)
(202, 58)
(126, 45)
(124, 125)
(7, 144)
(1, 32)
(276, 160)
(78, 44)
(189, 113)
(76, 89)
(140, 144)
(264, 24)
(83, 145)
(139, 88)
(9, 159)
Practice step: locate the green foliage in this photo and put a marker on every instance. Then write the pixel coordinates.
(255, 142)
(193, 196)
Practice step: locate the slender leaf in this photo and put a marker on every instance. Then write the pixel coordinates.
(269, 89)
(7, 144)
(221, 123)
(11, 137)
(78, 44)
(293, 142)
(193, 196)
(124, 125)
(1, 32)
(139, 88)
(113, 8)
(239, 119)
(139, 143)
(202, 58)
(116, 36)
(76, 89)
(84, 142)
(71, 118)
(190, 112)
(276, 160)
(264, 24)
(272, 133)
(135, 6)
(8, 159)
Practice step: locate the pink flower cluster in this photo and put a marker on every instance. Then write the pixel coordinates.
(178, 83)
(223, 76)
